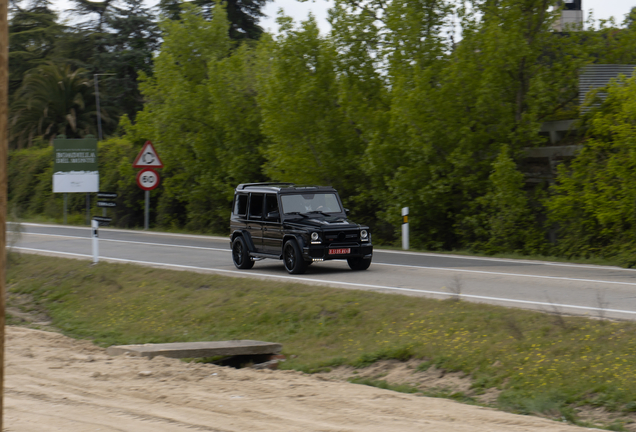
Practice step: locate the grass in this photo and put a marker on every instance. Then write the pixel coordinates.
(541, 364)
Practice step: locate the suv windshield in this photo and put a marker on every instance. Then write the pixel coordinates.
(307, 203)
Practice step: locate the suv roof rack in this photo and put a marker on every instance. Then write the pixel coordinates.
(244, 185)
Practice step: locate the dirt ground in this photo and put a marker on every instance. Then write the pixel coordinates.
(54, 383)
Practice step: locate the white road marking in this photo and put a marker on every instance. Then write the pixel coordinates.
(508, 274)
(87, 228)
(129, 241)
(506, 260)
(382, 287)
(376, 250)
(375, 263)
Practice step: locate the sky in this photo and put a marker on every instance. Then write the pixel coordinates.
(601, 9)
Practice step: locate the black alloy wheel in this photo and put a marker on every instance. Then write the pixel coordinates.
(359, 263)
(293, 258)
(240, 255)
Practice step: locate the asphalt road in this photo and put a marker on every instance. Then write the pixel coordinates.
(564, 288)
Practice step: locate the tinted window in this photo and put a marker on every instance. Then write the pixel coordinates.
(256, 206)
(240, 205)
(271, 204)
(306, 203)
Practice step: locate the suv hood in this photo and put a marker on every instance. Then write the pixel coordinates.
(319, 222)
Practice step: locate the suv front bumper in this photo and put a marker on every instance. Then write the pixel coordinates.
(321, 252)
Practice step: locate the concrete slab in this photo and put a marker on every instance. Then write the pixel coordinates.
(197, 349)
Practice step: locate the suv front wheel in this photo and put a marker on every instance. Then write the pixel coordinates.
(240, 254)
(293, 258)
(359, 263)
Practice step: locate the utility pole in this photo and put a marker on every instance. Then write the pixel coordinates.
(4, 148)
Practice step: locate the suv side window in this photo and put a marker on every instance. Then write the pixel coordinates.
(271, 204)
(240, 205)
(256, 206)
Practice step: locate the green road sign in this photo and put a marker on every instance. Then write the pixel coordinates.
(75, 166)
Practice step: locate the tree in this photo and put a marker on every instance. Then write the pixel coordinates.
(129, 44)
(33, 33)
(117, 40)
(201, 114)
(453, 105)
(243, 15)
(310, 140)
(594, 199)
(53, 100)
(502, 220)
(101, 8)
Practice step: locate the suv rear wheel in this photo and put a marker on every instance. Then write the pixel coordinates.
(359, 263)
(293, 258)
(240, 254)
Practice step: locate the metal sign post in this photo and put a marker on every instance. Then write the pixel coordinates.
(405, 228)
(147, 210)
(147, 178)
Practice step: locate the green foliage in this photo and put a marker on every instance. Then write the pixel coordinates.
(112, 38)
(30, 185)
(402, 353)
(124, 52)
(402, 388)
(52, 100)
(594, 199)
(34, 30)
(29, 172)
(502, 218)
(309, 139)
(201, 115)
(243, 15)
(454, 104)
(427, 104)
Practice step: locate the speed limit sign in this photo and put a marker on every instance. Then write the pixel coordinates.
(148, 179)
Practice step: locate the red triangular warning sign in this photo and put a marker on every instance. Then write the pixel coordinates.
(148, 157)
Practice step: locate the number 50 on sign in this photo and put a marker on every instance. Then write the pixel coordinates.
(148, 179)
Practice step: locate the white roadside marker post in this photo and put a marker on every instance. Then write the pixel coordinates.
(95, 237)
(405, 228)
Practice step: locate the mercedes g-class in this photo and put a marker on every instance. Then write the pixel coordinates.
(299, 224)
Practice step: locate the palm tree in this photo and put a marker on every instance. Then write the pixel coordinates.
(53, 100)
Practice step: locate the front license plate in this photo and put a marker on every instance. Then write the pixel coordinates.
(339, 251)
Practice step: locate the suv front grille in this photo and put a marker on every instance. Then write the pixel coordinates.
(341, 236)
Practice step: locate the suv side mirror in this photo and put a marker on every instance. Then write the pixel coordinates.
(273, 216)
(346, 211)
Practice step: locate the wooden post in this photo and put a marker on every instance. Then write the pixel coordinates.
(4, 148)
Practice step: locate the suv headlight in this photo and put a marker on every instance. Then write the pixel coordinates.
(364, 235)
(315, 237)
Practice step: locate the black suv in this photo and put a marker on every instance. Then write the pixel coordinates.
(298, 224)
